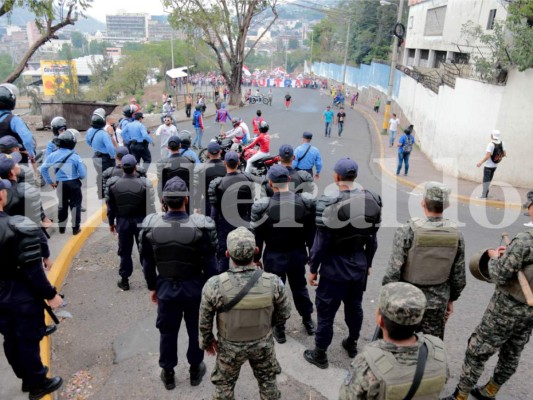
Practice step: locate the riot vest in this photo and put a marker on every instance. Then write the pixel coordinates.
(396, 378)
(214, 170)
(431, 256)
(243, 190)
(171, 167)
(352, 218)
(298, 183)
(130, 196)
(19, 244)
(513, 288)
(24, 199)
(284, 216)
(5, 128)
(177, 247)
(251, 318)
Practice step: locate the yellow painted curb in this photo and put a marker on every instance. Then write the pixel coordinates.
(60, 269)
(459, 197)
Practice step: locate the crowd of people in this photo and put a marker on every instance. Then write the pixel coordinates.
(226, 243)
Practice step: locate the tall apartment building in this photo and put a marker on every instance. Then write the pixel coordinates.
(126, 27)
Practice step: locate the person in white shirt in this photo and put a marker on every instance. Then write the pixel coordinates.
(166, 131)
(493, 155)
(393, 128)
(246, 131)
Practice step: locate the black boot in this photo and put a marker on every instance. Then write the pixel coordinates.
(197, 372)
(309, 325)
(124, 284)
(452, 396)
(167, 376)
(49, 385)
(350, 345)
(279, 333)
(476, 392)
(25, 388)
(317, 357)
(50, 329)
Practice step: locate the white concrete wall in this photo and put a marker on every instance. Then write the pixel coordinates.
(456, 125)
(458, 12)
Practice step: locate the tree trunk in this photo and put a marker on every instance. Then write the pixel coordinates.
(235, 84)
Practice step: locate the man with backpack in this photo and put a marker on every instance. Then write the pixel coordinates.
(405, 146)
(494, 154)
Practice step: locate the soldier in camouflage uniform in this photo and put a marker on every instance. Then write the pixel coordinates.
(507, 323)
(401, 307)
(433, 242)
(244, 330)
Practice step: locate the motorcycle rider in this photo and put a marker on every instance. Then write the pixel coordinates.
(263, 140)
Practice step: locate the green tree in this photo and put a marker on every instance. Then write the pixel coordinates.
(50, 17)
(520, 23)
(294, 44)
(6, 65)
(78, 40)
(224, 27)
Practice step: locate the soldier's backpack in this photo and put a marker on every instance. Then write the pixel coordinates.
(497, 154)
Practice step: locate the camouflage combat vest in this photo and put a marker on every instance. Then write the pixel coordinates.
(431, 256)
(251, 318)
(513, 288)
(397, 378)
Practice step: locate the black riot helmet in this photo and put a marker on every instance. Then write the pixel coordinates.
(8, 96)
(128, 110)
(98, 118)
(67, 139)
(57, 124)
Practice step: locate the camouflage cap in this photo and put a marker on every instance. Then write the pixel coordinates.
(529, 199)
(241, 244)
(436, 191)
(402, 303)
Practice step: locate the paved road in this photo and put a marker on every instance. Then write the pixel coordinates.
(113, 336)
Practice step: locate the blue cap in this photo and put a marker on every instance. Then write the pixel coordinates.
(8, 161)
(174, 142)
(8, 142)
(346, 167)
(286, 151)
(129, 161)
(307, 135)
(5, 184)
(231, 156)
(175, 187)
(278, 174)
(213, 148)
(121, 151)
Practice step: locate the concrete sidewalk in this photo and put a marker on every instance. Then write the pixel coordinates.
(421, 170)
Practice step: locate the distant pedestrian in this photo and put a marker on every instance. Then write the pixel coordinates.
(328, 119)
(188, 105)
(198, 122)
(341, 115)
(256, 121)
(357, 97)
(393, 127)
(377, 104)
(352, 101)
(494, 154)
(166, 131)
(137, 136)
(405, 146)
(222, 117)
(306, 156)
(288, 99)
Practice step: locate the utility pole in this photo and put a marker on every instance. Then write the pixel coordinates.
(286, 46)
(312, 42)
(172, 48)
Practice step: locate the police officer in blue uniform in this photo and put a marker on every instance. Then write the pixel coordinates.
(205, 173)
(102, 144)
(178, 256)
(137, 138)
(343, 249)
(13, 125)
(306, 156)
(117, 171)
(23, 290)
(129, 199)
(174, 165)
(58, 125)
(69, 171)
(285, 225)
(224, 194)
(185, 151)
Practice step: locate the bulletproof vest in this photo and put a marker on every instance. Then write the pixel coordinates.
(251, 318)
(5, 129)
(130, 196)
(243, 192)
(513, 288)
(284, 226)
(214, 170)
(352, 219)
(177, 247)
(396, 378)
(24, 199)
(176, 166)
(431, 256)
(19, 244)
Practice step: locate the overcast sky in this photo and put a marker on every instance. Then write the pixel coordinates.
(100, 8)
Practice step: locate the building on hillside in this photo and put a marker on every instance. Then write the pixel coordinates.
(32, 32)
(159, 29)
(125, 27)
(433, 31)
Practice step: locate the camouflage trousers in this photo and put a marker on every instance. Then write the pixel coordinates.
(433, 322)
(506, 326)
(232, 355)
